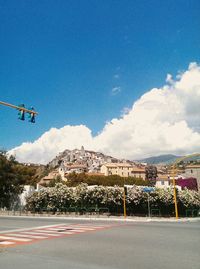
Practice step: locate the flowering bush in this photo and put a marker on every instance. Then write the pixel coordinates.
(62, 197)
(189, 183)
(189, 198)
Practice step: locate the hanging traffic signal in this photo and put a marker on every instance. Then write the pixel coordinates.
(22, 110)
(31, 116)
(21, 113)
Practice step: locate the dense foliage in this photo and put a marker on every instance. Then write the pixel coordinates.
(189, 183)
(13, 176)
(63, 198)
(151, 174)
(74, 179)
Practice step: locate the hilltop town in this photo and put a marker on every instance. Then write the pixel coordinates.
(96, 163)
(91, 162)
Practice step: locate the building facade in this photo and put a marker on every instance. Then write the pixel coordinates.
(123, 170)
(193, 171)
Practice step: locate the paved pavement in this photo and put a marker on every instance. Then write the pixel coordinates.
(88, 244)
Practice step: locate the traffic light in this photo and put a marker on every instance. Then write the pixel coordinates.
(31, 116)
(21, 113)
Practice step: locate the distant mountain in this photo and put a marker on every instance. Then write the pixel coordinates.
(165, 159)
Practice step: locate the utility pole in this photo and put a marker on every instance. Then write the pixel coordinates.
(175, 194)
(124, 200)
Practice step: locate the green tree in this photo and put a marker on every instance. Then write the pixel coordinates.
(13, 176)
(151, 174)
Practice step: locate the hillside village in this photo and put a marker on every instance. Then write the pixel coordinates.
(92, 163)
(80, 167)
(96, 163)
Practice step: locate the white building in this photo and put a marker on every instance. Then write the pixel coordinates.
(165, 181)
(70, 168)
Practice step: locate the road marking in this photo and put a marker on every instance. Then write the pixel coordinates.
(16, 238)
(67, 232)
(41, 234)
(74, 228)
(34, 234)
(31, 228)
(28, 235)
(6, 243)
(45, 232)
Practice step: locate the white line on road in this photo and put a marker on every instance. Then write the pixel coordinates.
(15, 238)
(32, 228)
(40, 233)
(28, 235)
(45, 232)
(6, 243)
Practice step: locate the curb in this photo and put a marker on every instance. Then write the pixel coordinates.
(114, 219)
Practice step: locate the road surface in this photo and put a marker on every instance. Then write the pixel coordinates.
(76, 244)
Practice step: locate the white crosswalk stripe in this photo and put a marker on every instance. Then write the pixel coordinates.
(7, 243)
(39, 234)
(75, 227)
(15, 238)
(45, 232)
(28, 235)
(67, 228)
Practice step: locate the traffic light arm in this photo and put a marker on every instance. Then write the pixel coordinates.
(19, 108)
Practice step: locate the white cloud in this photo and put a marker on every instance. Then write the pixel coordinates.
(116, 90)
(164, 120)
(169, 79)
(52, 142)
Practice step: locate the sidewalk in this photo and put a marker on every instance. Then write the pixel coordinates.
(95, 217)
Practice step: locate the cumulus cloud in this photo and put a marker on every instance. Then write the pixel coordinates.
(164, 120)
(52, 142)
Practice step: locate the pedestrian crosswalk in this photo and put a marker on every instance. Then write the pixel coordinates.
(31, 235)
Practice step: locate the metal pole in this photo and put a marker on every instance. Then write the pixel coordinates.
(124, 204)
(18, 107)
(149, 206)
(175, 195)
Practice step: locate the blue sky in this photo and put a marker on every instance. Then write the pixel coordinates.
(83, 62)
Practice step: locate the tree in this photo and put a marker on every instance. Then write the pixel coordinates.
(9, 182)
(13, 176)
(151, 174)
(74, 179)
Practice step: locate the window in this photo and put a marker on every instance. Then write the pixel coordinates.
(191, 171)
(162, 183)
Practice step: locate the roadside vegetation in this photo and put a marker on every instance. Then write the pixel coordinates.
(13, 176)
(83, 198)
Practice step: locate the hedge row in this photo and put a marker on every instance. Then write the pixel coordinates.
(61, 198)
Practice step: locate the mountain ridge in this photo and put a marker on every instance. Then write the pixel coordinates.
(165, 158)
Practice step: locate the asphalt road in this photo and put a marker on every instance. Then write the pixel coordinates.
(150, 245)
